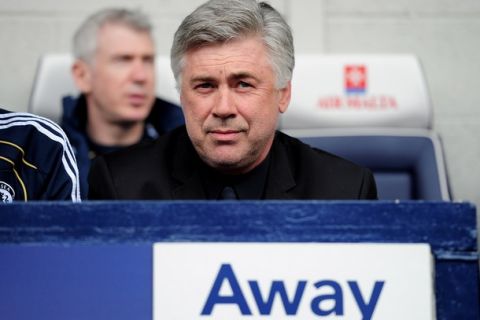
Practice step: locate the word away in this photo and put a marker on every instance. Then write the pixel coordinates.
(291, 306)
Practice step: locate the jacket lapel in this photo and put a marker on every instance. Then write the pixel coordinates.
(185, 172)
(280, 179)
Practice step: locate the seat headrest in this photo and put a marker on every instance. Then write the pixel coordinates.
(165, 81)
(53, 81)
(332, 91)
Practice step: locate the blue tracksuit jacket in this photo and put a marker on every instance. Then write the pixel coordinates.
(36, 160)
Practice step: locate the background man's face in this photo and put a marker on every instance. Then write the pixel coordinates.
(122, 77)
(231, 104)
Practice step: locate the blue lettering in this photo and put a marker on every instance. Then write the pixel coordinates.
(278, 287)
(366, 308)
(226, 274)
(337, 297)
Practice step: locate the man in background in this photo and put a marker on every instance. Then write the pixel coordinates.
(36, 160)
(233, 62)
(114, 69)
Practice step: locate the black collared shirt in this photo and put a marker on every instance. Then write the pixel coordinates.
(248, 186)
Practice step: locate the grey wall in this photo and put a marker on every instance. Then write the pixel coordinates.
(443, 33)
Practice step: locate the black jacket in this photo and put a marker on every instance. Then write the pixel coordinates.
(165, 169)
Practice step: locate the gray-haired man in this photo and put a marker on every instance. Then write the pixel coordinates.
(233, 62)
(114, 70)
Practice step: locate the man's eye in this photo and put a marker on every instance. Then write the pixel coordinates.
(243, 84)
(149, 60)
(204, 85)
(122, 59)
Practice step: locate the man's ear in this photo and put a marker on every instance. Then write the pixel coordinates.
(285, 95)
(82, 75)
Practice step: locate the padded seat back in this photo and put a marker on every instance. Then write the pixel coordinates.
(375, 111)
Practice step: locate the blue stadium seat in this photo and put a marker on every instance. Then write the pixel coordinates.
(381, 120)
(405, 166)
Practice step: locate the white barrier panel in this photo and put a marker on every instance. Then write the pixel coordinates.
(292, 281)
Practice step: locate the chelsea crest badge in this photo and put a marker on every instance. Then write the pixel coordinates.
(7, 194)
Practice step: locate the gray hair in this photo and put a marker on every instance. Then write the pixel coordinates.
(218, 21)
(85, 38)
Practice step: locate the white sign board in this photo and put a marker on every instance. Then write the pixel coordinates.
(254, 281)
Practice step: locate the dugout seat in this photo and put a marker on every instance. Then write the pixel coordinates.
(374, 110)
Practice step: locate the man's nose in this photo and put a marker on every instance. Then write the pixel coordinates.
(141, 71)
(225, 104)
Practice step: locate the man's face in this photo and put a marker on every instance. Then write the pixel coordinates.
(120, 82)
(231, 104)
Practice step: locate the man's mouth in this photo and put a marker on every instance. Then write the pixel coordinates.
(225, 134)
(137, 99)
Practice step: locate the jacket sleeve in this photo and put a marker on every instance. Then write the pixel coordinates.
(61, 179)
(101, 184)
(368, 189)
